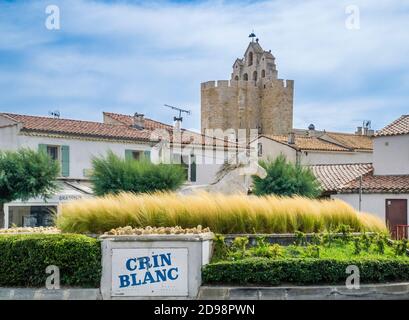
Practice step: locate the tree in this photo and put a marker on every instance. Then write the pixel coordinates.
(286, 179)
(112, 174)
(25, 174)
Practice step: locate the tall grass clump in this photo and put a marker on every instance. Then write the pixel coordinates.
(112, 175)
(224, 214)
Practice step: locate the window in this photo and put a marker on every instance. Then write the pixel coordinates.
(260, 149)
(250, 58)
(245, 77)
(236, 78)
(137, 155)
(53, 152)
(60, 154)
(263, 73)
(255, 75)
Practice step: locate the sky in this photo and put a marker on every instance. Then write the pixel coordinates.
(135, 56)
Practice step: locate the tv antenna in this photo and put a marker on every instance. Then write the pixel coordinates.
(180, 118)
(56, 114)
(366, 124)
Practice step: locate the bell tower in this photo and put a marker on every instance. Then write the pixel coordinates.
(253, 98)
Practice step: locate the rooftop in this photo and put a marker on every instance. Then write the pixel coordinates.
(378, 184)
(78, 128)
(308, 143)
(398, 127)
(334, 176)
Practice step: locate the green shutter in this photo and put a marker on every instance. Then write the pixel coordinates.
(65, 161)
(147, 155)
(128, 154)
(42, 148)
(193, 170)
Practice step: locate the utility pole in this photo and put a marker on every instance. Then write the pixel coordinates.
(360, 192)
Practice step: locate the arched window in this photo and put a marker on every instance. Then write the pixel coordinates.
(245, 77)
(250, 58)
(236, 78)
(255, 75)
(263, 73)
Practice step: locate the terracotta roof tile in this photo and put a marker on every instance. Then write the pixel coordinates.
(78, 127)
(397, 127)
(149, 123)
(352, 141)
(187, 136)
(308, 143)
(334, 176)
(378, 184)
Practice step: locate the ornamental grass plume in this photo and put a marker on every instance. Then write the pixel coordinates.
(223, 214)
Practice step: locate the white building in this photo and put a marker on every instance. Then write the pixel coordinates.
(74, 143)
(381, 188)
(310, 147)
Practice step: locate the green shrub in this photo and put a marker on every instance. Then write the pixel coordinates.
(24, 259)
(357, 246)
(264, 271)
(25, 174)
(400, 246)
(112, 174)
(286, 179)
(265, 249)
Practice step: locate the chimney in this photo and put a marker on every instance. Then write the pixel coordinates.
(291, 138)
(138, 121)
(178, 123)
(359, 131)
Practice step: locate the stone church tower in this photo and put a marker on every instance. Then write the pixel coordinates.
(253, 98)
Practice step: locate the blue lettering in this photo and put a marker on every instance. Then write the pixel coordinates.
(173, 277)
(128, 264)
(148, 277)
(134, 282)
(165, 258)
(161, 274)
(155, 261)
(124, 281)
(144, 263)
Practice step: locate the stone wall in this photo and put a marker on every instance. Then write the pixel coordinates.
(266, 104)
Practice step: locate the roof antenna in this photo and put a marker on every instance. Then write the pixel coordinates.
(179, 119)
(55, 114)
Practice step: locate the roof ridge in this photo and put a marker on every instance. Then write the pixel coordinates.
(51, 118)
(146, 118)
(340, 164)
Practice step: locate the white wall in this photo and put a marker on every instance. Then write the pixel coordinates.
(81, 151)
(391, 155)
(272, 149)
(316, 157)
(8, 137)
(372, 203)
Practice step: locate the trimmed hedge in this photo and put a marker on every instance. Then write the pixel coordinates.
(24, 259)
(264, 271)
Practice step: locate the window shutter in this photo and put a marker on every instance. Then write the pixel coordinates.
(65, 161)
(42, 148)
(147, 155)
(193, 170)
(128, 155)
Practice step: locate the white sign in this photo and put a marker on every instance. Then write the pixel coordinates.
(150, 272)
